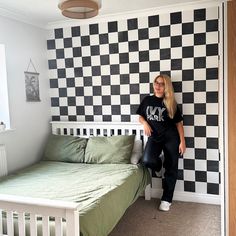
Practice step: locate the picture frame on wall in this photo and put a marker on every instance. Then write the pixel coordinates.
(32, 85)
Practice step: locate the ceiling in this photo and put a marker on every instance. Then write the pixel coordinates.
(44, 12)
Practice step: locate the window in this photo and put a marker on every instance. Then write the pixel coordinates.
(4, 105)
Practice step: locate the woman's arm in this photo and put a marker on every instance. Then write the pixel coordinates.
(182, 145)
(146, 127)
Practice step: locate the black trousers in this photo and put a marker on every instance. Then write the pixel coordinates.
(169, 144)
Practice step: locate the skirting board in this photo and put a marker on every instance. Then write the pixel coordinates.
(190, 197)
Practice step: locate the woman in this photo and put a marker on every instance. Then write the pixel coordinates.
(162, 122)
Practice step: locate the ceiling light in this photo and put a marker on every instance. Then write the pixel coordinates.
(79, 9)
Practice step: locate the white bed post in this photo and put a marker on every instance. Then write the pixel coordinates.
(148, 189)
(148, 192)
(72, 223)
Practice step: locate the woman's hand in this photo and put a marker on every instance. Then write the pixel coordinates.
(147, 129)
(182, 148)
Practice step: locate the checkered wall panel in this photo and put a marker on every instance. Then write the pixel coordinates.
(101, 72)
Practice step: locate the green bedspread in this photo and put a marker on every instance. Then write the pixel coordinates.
(104, 191)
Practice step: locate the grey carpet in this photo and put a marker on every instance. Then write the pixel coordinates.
(184, 219)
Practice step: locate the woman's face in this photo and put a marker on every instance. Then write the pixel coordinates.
(159, 87)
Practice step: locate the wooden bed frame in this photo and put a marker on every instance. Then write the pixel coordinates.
(61, 210)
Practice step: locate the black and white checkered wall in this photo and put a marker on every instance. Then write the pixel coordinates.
(101, 72)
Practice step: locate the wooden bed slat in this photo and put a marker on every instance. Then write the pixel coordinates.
(61, 131)
(87, 132)
(21, 223)
(115, 131)
(68, 131)
(58, 226)
(95, 133)
(46, 226)
(10, 226)
(33, 225)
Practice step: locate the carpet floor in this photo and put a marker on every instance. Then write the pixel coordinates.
(184, 219)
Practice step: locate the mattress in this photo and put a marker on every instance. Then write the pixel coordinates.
(103, 191)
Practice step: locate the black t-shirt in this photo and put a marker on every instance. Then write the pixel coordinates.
(153, 110)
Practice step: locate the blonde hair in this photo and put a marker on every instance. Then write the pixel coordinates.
(169, 97)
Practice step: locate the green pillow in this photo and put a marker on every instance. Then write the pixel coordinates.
(113, 149)
(65, 148)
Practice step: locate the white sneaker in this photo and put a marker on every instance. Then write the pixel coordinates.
(164, 206)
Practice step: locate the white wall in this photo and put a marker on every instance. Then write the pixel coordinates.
(29, 120)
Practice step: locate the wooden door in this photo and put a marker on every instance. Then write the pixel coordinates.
(232, 114)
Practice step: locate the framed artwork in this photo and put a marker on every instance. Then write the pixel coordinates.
(32, 85)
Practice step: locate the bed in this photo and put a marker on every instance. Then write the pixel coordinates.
(63, 198)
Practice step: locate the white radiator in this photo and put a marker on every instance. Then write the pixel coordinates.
(3, 161)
